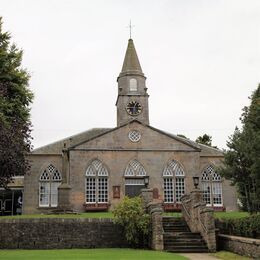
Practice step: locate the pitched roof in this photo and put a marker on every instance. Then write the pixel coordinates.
(56, 147)
(188, 142)
(131, 63)
(78, 139)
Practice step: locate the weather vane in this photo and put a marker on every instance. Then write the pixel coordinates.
(130, 29)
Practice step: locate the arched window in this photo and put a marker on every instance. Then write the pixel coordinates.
(135, 168)
(133, 84)
(134, 178)
(96, 183)
(50, 180)
(173, 182)
(212, 187)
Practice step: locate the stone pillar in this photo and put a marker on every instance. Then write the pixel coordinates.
(147, 196)
(195, 199)
(155, 210)
(64, 188)
(209, 221)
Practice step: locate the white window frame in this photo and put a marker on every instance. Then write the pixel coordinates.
(51, 178)
(213, 182)
(98, 172)
(135, 169)
(174, 172)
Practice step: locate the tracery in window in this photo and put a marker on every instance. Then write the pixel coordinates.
(49, 182)
(211, 187)
(173, 182)
(134, 136)
(135, 168)
(96, 182)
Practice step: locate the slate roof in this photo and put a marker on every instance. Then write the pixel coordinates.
(56, 147)
(78, 139)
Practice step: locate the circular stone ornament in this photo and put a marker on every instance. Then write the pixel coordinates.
(134, 136)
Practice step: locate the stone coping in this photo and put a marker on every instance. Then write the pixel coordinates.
(241, 239)
(57, 220)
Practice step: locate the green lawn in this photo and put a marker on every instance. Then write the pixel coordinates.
(88, 254)
(229, 256)
(231, 214)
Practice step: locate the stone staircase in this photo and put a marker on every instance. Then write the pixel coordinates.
(177, 237)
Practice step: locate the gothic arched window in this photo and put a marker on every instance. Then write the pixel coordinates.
(133, 84)
(134, 178)
(96, 182)
(135, 168)
(49, 182)
(211, 187)
(173, 182)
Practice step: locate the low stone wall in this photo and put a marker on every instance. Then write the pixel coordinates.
(48, 233)
(240, 245)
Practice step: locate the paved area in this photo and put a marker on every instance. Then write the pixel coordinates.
(199, 256)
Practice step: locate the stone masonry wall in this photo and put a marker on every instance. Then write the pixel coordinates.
(48, 233)
(240, 245)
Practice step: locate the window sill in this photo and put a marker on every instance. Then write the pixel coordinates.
(96, 206)
(47, 208)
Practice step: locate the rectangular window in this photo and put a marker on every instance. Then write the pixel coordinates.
(168, 190)
(179, 188)
(44, 194)
(206, 192)
(134, 181)
(217, 193)
(102, 190)
(90, 190)
(54, 193)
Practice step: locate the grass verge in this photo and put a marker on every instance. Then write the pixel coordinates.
(223, 215)
(231, 214)
(88, 254)
(225, 255)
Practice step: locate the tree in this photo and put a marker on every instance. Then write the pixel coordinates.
(15, 100)
(242, 160)
(205, 139)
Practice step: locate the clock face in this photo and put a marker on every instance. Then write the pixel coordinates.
(133, 108)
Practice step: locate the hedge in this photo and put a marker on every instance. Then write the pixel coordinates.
(246, 227)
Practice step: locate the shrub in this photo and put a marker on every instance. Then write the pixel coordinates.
(131, 215)
(246, 227)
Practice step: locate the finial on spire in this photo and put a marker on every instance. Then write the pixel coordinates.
(130, 29)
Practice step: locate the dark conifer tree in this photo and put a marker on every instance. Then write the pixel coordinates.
(15, 100)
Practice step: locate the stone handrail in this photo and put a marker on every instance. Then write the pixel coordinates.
(186, 211)
(199, 218)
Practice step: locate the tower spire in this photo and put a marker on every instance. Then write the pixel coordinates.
(131, 63)
(132, 98)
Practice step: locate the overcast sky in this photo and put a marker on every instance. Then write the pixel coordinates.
(201, 59)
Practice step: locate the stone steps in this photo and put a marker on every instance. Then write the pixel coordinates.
(178, 237)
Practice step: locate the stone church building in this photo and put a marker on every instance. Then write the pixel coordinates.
(95, 169)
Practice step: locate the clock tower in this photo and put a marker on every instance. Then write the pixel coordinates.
(132, 99)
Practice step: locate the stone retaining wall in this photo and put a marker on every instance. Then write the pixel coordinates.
(48, 233)
(240, 245)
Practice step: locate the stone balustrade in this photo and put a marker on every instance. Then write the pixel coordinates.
(199, 218)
